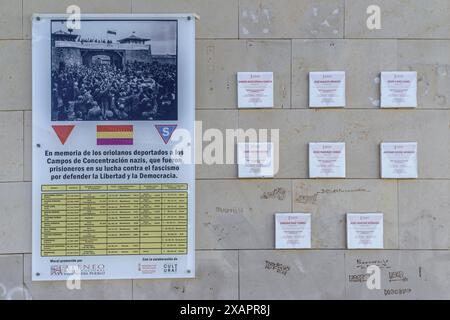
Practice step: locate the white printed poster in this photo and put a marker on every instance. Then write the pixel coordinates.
(255, 160)
(327, 160)
(399, 89)
(364, 230)
(399, 160)
(293, 230)
(113, 190)
(255, 89)
(327, 89)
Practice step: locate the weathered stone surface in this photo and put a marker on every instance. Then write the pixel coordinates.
(213, 125)
(27, 145)
(329, 202)
(11, 19)
(424, 219)
(291, 19)
(218, 62)
(363, 131)
(404, 274)
(15, 78)
(218, 18)
(239, 214)
(11, 278)
(216, 279)
(11, 144)
(399, 19)
(296, 274)
(15, 217)
(362, 61)
(432, 63)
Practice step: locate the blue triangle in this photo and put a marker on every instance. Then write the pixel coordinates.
(166, 131)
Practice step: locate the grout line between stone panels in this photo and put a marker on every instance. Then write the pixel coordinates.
(23, 29)
(398, 215)
(21, 24)
(275, 179)
(239, 19)
(14, 39)
(402, 39)
(345, 18)
(23, 146)
(14, 253)
(292, 195)
(329, 39)
(285, 39)
(11, 110)
(318, 109)
(239, 275)
(316, 180)
(291, 75)
(17, 181)
(324, 249)
(345, 275)
(293, 250)
(24, 286)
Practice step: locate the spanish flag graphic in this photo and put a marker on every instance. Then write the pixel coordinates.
(114, 135)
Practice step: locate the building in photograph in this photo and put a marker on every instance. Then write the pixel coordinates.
(69, 49)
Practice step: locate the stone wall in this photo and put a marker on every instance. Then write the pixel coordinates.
(235, 227)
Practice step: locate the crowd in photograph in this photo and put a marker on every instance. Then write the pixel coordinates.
(103, 91)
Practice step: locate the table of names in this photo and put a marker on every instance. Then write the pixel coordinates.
(91, 220)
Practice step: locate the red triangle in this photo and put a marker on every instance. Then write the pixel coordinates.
(63, 132)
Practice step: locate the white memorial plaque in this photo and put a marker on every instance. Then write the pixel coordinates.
(256, 160)
(399, 160)
(364, 230)
(327, 160)
(255, 89)
(327, 89)
(399, 89)
(293, 230)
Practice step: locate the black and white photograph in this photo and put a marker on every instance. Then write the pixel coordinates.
(114, 71)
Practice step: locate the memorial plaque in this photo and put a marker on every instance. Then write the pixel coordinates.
(293, 230)
(399, 160)
(364, 230)
(327, 89)
(113, 194)
(255, 89)
(399, 89)
(255, 160)
(327, 160)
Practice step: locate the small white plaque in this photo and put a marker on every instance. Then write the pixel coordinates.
(327, 89)
(293, 230)
(364, 230)
(327, 160)
(399, 89)
(399, 160)
(255, 89)
(255, 160)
